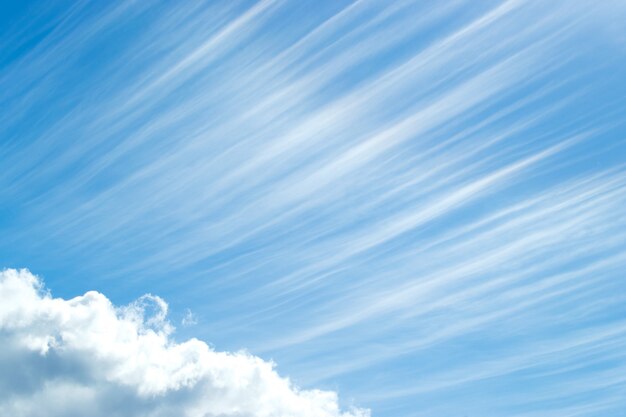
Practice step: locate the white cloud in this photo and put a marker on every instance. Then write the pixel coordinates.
(189, 319)
(87, 357)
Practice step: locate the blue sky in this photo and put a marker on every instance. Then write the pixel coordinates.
(418, 205)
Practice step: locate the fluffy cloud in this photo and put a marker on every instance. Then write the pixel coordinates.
(87, 357)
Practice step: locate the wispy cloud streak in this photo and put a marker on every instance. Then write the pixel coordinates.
(411, 200)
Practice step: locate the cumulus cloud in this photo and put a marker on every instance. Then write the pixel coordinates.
(87, 357)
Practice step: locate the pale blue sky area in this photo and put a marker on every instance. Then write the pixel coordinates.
(417, 204)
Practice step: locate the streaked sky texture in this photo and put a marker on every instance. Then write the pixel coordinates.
(419, 205)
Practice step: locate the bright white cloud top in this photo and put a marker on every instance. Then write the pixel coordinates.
(87, 357)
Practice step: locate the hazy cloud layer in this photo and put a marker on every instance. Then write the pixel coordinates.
(88, 357)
